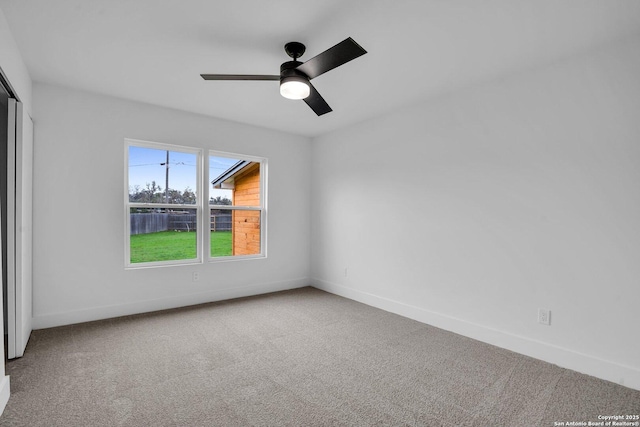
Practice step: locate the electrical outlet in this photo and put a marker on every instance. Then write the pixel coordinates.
(195, 276)
(544, 316)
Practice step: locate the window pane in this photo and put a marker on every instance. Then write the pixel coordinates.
(235, 232)
(162, 176)
(234, 182)
(162, 235)
(246, 232)
(221, 243)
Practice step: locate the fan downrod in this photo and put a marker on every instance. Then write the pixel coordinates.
(294, 49)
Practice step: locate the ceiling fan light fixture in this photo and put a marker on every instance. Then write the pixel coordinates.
(294, 87)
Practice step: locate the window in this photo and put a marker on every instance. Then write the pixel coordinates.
(173, 192)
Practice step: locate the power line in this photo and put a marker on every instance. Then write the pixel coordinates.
(162, 164)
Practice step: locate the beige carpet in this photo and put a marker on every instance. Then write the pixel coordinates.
(295, 358)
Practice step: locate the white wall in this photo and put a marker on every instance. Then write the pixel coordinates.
(471, 211)
(79, 216)
(13, 66)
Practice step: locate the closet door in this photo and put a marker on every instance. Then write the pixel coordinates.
(11, 230)
(19, 229)
(24, 227)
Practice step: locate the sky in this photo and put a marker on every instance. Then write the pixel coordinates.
(148, 164)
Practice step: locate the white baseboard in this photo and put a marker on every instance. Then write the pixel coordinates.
(111, 311)
(5, 393)
(563, 357)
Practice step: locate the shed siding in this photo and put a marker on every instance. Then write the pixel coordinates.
(246, 224)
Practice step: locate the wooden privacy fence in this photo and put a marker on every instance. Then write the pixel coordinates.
(221, 222)
(143, 223)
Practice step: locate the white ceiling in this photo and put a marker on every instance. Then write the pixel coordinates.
(154, 51)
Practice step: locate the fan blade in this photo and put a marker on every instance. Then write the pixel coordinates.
(239, 77)
(331, 58)
(317, 102)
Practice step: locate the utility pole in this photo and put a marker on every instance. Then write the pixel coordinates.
(166, 180)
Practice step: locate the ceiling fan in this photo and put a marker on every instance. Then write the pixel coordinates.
(295, 75)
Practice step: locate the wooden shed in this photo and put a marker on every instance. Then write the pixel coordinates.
(243, 178)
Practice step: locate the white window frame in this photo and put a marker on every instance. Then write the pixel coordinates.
(262, 208)
(202, 206)
(129, 205)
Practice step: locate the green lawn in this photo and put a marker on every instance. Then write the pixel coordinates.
(220, 243)
(175, 245)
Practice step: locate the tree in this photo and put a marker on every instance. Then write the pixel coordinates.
(153, 193)
(188, 196)
(220, 200)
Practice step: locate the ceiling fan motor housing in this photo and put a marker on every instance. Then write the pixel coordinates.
(288, 72)
(288, 69)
